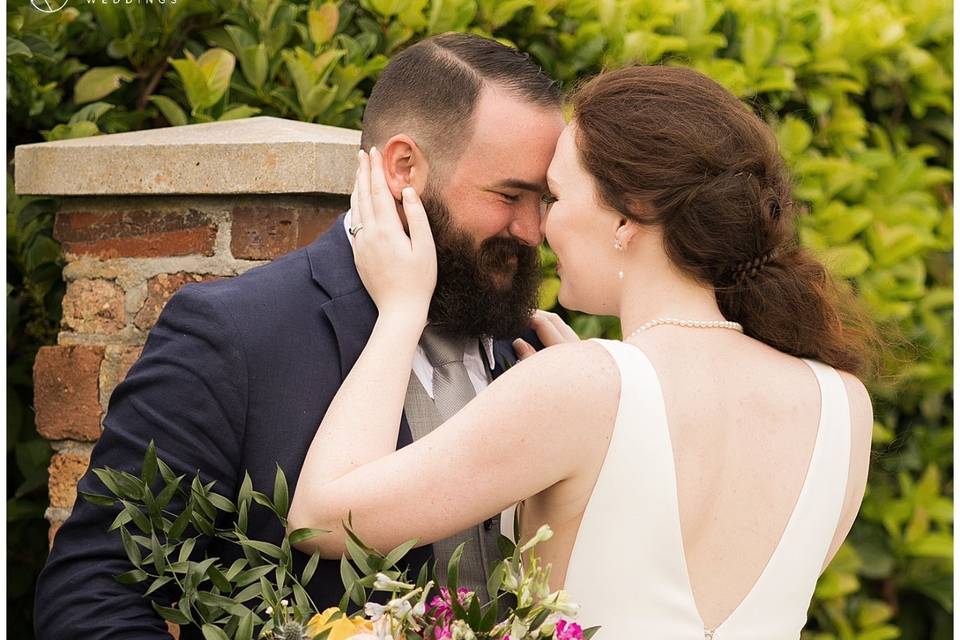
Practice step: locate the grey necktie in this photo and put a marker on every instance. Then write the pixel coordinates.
(452, 388)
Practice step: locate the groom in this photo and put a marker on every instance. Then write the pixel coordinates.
(238, 373)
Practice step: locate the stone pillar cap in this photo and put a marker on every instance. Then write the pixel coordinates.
(251, 155)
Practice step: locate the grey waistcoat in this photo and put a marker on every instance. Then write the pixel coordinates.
(481, 549)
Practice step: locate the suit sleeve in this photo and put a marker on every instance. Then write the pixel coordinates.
(188, 393)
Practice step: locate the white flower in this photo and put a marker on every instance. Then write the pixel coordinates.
(374, 610)
(400, 607)
(386, 583)
(543, 534)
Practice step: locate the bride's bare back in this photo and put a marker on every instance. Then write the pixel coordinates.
(743, 419)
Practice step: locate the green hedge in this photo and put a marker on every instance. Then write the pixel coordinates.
(859, 93)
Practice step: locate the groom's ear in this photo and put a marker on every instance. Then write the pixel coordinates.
(404, 164)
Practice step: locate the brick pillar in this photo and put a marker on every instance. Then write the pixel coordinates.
(144, 213)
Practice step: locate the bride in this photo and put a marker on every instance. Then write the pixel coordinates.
(700, 474)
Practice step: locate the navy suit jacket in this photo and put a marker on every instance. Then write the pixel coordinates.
(235, 376)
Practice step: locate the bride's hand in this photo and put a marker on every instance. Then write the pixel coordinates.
(398, 270)
(550, 329)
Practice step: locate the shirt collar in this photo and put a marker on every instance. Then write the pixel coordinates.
(485, 342)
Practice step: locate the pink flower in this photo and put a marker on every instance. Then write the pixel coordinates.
(441, 609)
(568, 631)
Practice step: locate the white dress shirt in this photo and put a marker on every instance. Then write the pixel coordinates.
(471, 356)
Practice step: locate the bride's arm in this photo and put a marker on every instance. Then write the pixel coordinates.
(524, 433)
(513, 440)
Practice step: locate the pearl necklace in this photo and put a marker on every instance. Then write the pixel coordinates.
(698, 324)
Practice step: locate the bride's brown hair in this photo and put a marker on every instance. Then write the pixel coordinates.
(668, 146)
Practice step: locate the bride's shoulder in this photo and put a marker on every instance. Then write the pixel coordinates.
(861, 413)
(583, 365)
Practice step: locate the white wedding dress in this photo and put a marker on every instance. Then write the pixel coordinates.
(627, 569)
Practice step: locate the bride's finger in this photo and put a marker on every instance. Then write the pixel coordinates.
(545, 329)
(568, 334)
(421, 237)
(364, 200)
(355, 201)
(523, 349)
(384, 205)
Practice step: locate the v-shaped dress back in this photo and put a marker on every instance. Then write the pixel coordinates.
(627, 568)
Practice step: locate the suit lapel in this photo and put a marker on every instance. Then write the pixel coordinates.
(504, 357)
(350, 310)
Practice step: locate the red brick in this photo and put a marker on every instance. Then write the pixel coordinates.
(65, 471)
(66, 392)
(93, 306)
(263, 232)
(314, 222)
(159, 290)
(114, 369)
(136, 233)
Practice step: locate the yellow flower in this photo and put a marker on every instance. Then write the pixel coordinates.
(342, 628)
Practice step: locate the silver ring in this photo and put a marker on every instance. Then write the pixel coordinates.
(355, 230)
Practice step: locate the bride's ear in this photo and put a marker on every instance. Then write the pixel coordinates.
(626, 231)
(405, 165)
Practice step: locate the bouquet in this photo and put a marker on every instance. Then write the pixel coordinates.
(260, 595)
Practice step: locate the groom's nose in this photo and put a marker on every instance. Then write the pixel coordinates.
(525, 225)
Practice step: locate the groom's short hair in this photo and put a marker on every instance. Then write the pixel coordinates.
(430, 91)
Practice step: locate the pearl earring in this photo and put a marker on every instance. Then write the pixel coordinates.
(619, 247)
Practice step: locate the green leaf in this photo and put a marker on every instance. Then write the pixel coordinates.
(157, 554)
(148, 472)
(245, 628)
(186, 549)
(281, 495)
(847, 261)
(216, 65)
(132, 577)
(131, 548)
(221, 503)
(311, 567)
(170, 110)
(17, 48)
(322, 23)
(156, 584)
(137, 516)
(505, 10)
(254, 64)
(399, 552)
(91, 112)
(44, 250)
(235, 568)
(271, 550)
(360, 557)
(252, 575)
(349, 578)
(169, 614)
(239, 112)
(211, 632)
(100, 82)
(453, 568)
(97, 499)
(299, 535)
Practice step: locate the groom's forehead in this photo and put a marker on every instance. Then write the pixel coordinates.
(514, 145)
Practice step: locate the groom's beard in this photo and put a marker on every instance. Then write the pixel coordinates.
(490, 290)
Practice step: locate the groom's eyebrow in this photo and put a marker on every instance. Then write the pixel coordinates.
(523, 185)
